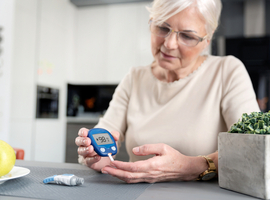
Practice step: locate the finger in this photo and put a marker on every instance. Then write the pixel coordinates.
(82, 141)
(128, 177)
(87, 151)
(116, 135)
(135, 177)
(83, 132)
(150, 149)
(89, 161)
(139, 166)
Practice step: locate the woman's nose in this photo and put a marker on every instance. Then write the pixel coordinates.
(171, 41)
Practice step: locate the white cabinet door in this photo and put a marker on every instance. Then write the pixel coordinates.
(91, 49)
(22, 90)
(121, 40)
(109, 41)
(54, 51)
(128, 39)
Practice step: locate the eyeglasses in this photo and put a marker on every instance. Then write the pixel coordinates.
(183, 37)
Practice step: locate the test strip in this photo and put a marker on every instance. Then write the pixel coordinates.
(110, 156)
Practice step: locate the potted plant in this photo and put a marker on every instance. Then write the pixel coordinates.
(244, 156)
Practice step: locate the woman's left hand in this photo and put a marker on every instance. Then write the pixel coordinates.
(168, 164)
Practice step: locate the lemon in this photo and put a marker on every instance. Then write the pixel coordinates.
(7, 158)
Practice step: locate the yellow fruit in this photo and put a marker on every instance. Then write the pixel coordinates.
(7, 158)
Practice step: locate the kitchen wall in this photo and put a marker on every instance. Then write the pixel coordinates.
(22, 99)
(42, 38)
(6, 33)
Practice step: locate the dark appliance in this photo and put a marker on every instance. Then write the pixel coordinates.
(255, 54)
(92, 98)
(47, 102)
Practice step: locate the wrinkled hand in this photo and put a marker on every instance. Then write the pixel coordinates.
(86, 150)
(168, 165)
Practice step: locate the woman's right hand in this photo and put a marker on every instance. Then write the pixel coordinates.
(89, 157)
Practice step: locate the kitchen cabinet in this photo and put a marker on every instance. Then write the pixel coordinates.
(108, 43)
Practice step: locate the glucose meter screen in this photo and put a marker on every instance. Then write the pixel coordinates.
(103, 138)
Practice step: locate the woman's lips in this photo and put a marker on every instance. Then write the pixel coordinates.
(167, 56)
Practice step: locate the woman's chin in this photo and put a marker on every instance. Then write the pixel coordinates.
(167, 65)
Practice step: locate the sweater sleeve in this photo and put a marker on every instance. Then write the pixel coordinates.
(115, 118)
(238, 96)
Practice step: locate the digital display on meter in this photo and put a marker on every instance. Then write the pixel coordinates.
(102, 138)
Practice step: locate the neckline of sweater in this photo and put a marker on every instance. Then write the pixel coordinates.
(176, 82)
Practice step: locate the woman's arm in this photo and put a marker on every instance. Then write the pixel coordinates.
(168, 165)
(114, 120)
(238, 95)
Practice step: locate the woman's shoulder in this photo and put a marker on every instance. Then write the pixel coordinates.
(230, 68)
(225, 59)
(226, 63)
(137, 74)
(140, 71)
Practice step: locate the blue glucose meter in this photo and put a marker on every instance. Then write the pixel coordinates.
(102, 141)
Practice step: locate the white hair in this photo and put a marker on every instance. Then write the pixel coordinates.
(162, 10)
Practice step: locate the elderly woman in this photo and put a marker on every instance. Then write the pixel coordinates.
(172, 110)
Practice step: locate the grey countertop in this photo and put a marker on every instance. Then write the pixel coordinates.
(85, 118)
(193, 190)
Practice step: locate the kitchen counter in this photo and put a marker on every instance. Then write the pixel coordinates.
(85, 118)
(167, 190)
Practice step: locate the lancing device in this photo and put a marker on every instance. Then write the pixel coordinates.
(103, 142)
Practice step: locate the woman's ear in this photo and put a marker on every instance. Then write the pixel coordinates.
(208, 41)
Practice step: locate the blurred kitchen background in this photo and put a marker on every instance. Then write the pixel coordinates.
(60, 61)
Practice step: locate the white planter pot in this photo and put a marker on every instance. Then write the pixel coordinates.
(244, 163)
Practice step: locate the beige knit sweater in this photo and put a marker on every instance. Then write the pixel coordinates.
(187, 114)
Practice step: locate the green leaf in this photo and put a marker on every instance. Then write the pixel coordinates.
(266, 119)
(261, 124)
(250, 127)
(253, 120)
(254, 123)
(257, 131)
(256, 126)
